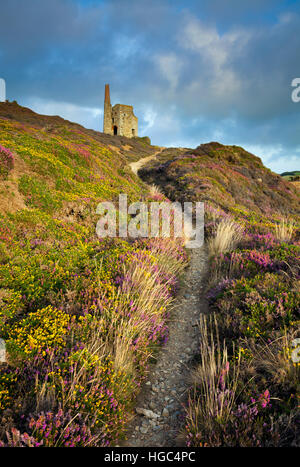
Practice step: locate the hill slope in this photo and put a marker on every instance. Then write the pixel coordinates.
(246, 387)
(226, 177)
(57, 163)
(80, 316)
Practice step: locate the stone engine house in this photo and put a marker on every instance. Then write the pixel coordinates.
(119, 119)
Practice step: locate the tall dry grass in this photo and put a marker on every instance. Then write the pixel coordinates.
(215, 384)
(284, 231)
(274, 359)
(227, 235)
(154, 190)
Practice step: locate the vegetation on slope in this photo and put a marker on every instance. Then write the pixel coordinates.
(294, 175)
(80, 316)
(226, 177)
(246, 386)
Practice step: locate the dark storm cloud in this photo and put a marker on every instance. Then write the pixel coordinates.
(44, 46)
(194, 71)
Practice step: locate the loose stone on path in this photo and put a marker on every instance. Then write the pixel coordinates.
(160, 412)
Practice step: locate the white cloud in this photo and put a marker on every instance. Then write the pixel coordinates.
(204, 40)
(220, 78)
(149, 117)
(89, 117)
(170, 66)
(276, 157)
(125, 47)
(209, 43)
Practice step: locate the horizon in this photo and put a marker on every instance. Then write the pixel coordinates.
(199, 73)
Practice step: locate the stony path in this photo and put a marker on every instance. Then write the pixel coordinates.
(160, 412)
(135, 166)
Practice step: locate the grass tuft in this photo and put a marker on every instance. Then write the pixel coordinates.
(227, 236)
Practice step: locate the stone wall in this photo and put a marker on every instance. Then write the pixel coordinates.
(124, 122)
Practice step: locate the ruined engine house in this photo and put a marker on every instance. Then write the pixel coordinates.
(119, 119)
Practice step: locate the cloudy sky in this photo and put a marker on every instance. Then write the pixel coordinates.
(194, 70)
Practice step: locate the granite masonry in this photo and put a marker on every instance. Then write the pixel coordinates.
(119, 119)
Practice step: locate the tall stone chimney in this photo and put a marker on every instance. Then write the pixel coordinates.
(107, 117)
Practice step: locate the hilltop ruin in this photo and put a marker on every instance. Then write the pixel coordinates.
(119, 119)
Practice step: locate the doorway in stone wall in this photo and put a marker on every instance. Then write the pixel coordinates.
(115, 130)
(133, 132)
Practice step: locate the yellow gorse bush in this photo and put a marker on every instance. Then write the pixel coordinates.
(40, 330)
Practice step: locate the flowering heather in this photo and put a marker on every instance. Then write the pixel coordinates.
(252, 288)
(256, 301)
(260, 241)
(51, 430)
(248, 426)
(81, 317)
(6, 161)
(115, 310)
(214, 292)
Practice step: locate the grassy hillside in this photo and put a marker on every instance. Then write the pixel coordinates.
(80, 316)
(246, 386)
(58, 163)
(226, 177)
